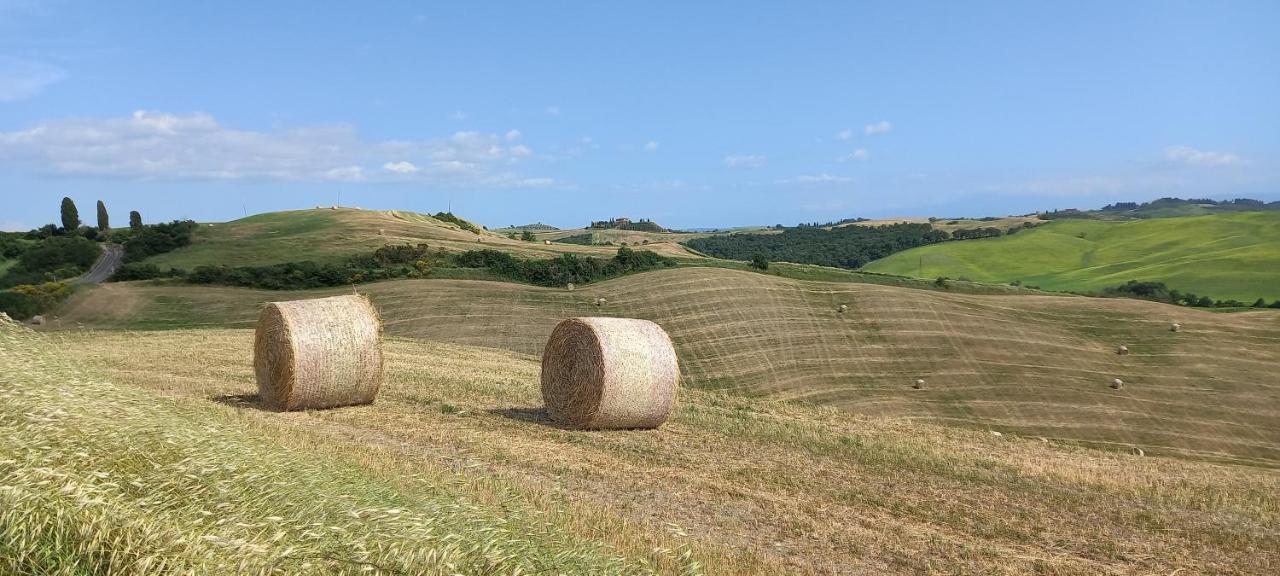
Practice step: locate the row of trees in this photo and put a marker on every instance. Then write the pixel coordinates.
(844, 246)
(1159, 292)
(409, 261)
(71, 217)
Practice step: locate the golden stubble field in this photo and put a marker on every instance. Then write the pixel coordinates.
(745, 485)
(1034, 365)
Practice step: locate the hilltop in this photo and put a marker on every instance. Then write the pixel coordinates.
(329, 235)
(1227, 255)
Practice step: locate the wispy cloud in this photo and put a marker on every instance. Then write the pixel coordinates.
(13, 226)
(823, 178)
(855, 156)
(552, 110)
(880, 127)
(458, 115)
(512, 135)
(1189, 155)
(156, 145)
(400, 167)
(650, 146)
(22, 79)
(844, 134)
(744, 161)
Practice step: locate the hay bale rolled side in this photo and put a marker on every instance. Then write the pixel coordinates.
(320, 353)
(609, 373)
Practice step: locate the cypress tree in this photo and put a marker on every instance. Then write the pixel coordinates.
(70, 216)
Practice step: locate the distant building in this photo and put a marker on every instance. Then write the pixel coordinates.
(621, 220)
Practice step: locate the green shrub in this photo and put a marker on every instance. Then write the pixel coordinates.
(53, 258)
(158, 239)
(27, 300)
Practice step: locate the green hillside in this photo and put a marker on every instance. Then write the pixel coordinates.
(1234, 255)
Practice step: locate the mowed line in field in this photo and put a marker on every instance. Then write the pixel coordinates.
(1038, 363)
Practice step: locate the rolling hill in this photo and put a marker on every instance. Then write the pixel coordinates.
(1227, 255)
(153, 441)
(328, 235)
(1036, 365)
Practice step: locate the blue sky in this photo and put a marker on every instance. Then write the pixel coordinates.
(692, 114)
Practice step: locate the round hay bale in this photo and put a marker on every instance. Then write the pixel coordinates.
(1175, 327)
(609, 373)
(1122, 350)
(37, 320)
(919, 384)
(1136, 451)
(601, 301)
(843, 308)
(570, 286)
(1117, 383)
(319, 353)
(547, 242)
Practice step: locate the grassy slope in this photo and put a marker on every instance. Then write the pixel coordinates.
(97, 477)
(1233, 255)
(744, 485)
(1033, 364)
(330, 235)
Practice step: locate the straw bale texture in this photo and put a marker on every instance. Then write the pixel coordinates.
(609, 373)
(320, 353)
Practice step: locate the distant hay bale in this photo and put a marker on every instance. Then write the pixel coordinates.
(601, 301)
(1122, 350)
(382, 232)
(843, 308)
(1117, 383)
(996, 434)
(570, 286)
(334, 207)
(919, 384)
(319, 353)
(37, 320)
(609, 373)
(1136, 451)
(547, 242)
(1175, 327)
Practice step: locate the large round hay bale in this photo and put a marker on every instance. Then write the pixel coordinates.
(609, 373)
(320, 353)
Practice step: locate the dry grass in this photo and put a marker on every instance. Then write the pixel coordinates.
(1037, 365)
(748, 486)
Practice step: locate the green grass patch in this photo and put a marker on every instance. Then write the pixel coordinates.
(1222, 256)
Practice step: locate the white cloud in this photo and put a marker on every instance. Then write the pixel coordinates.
(552, 110)
(650, 146)
(1189, 155)
(458, 115)
(22, 79)
(844, 134)
(512, 135)
(823, 178)
(880, 127)
(744, 161)
(857, 155)
(155, 145)
(400, 167)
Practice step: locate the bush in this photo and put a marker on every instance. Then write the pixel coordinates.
(53, 258)
(463, 224)
(27, 300)
(760, 261)
(158, 239)
(135, 271)
(842, 246)
(527, 236)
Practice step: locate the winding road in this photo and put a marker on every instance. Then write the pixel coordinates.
(112, 256)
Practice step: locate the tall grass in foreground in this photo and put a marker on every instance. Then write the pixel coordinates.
(102, 479)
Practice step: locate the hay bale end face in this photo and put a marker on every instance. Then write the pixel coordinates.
(843, 308)
(601, 373)
(1175, 327)
(320, 353)
(1122, 350)
(1117, 383)
(919, 384)
(546, 242)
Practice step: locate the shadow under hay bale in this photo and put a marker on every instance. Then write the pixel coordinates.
(239, 400)
(609, 373)
(321, 353)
